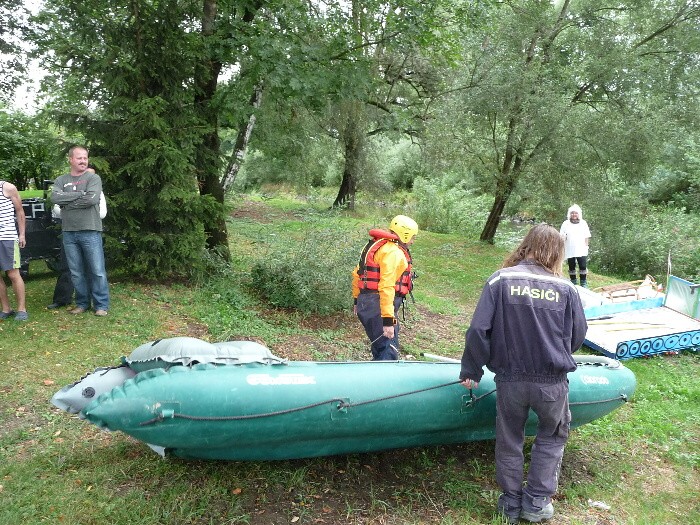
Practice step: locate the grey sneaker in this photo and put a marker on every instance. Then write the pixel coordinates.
(535, 517)
(21, 316)
(77, 310)
(7, 315)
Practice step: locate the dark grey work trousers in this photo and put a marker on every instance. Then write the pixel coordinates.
(370, 315)
(551, 404)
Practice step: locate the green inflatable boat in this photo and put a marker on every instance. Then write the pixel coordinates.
(237, 401)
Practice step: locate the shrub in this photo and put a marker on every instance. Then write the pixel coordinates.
(397, 163)
(444, 207)
(311, 274)
(636, 240)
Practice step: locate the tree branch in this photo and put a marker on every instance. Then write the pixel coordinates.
(686, 12)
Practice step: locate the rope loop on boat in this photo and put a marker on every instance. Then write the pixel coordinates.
(162, 417)
(341, 404)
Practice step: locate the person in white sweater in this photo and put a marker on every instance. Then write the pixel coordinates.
(577, 237)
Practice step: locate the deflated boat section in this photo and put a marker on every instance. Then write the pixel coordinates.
(162, 353)
(189, 351)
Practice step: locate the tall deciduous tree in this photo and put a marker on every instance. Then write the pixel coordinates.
(12, 63)
(358, 68)
(394, 42)
(568, 89)
(219, 43)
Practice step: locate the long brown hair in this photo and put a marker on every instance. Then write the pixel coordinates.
(543, 244)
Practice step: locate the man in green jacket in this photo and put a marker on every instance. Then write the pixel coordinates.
(78, 195)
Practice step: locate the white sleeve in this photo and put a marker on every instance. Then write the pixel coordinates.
(103, 206)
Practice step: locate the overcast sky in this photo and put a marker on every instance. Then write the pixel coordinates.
(25, 96)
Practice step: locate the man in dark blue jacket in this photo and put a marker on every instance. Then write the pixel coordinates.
(526, 325)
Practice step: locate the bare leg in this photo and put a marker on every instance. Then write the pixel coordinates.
(18, 287)
(4, 300)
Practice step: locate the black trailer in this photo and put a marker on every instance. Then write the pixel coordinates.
(42, 233)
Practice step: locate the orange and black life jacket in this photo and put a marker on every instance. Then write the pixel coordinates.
(369, 269)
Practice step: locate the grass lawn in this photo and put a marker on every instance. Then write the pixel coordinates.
(642, 460)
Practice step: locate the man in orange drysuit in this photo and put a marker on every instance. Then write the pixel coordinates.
(381, 281)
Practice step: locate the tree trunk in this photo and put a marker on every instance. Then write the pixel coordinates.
(489, 231)
(244, 132)
(352, 133)
(508, 177)
(504, 189)
(207, 156)
(215, 225)
(346, 193)
(353, 149)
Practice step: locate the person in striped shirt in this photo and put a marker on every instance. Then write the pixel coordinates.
(12, 238)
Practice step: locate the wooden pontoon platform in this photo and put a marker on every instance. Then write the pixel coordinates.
(647, 327)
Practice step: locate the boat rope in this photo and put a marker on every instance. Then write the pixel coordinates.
(238, 418)
(473, 399)
(621, 397)
(341, 404)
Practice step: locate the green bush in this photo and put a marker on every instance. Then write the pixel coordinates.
(311, 274)
(676, 178)
(677, 188)
(312, 167)
(636, 240)
(396, 163)
(445, 207)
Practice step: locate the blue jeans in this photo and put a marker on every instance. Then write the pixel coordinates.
(86, 261)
